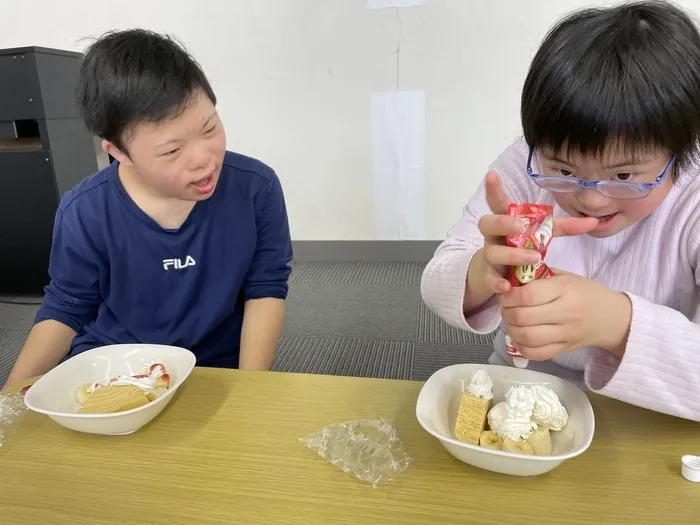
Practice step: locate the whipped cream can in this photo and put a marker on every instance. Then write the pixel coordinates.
(539, 222)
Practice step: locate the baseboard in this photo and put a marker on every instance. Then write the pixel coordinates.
(375, 251)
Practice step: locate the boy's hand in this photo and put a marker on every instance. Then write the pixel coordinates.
(495, 256)
(566, 312)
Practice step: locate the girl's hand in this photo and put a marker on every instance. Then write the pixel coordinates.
(491, 261)
(566, 312)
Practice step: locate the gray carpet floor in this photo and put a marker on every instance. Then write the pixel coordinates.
(360, 319)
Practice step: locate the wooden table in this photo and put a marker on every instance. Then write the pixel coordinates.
(227, 451)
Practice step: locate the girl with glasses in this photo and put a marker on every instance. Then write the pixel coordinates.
(611, 126)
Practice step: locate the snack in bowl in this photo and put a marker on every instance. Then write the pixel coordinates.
(548, 410)
(124, 392)
(521, 424)
(438, 403)
(512, 420)
(474, 407)
(54, 394)
(541, 441)
(490, 439)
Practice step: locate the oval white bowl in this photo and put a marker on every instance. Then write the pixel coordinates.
(438, 404)
(54, 393)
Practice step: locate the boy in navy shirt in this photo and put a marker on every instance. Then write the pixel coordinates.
(178, 241)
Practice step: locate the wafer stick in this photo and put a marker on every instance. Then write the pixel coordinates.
(113, 399)
(471, 418)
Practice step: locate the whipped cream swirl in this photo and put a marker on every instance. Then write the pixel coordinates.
(512, 418)
(480, 384)
(521, 401)
(497, 415)
(146, 384)
(548, 410)
(145, 380)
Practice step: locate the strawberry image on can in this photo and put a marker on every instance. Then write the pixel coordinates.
(536, 236)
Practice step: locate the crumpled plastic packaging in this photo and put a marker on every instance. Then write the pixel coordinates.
(369, 450)
(12, 408)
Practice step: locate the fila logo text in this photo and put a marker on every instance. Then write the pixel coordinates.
(178, 264)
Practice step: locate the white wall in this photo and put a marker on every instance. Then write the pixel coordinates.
(294, 79)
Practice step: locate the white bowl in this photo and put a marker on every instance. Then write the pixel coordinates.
(438, 404)
(54, 393)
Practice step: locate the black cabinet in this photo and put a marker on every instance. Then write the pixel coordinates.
(44, 151)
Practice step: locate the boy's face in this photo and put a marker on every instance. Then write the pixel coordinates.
(179, 158)
(615, 214)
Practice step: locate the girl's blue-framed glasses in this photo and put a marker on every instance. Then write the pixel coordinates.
(611, 188)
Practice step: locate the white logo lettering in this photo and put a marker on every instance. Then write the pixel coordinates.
(178, 264)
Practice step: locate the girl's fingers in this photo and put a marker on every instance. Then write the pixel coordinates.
(496, 226)
(536, 340)
(499, 255)
(570, 226)
(525, 316)
(539, 292)
(496, 283)
(542, 353)
(496, 198)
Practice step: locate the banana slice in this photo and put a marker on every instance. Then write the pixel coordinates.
(518, 447)
(155, 394)
(541, 441)
(82, 393)
(491, 440)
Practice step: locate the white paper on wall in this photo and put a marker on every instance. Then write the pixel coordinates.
(398, 165)
(384, 4)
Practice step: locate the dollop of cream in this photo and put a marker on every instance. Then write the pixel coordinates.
(520, 401)
(516, 429)
(548, 410)
(512, 418)
(146, 384)
(145, 380)
(480, 384)
(497, 415)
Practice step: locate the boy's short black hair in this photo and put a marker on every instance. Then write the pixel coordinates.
(630, 72)
(133, 77)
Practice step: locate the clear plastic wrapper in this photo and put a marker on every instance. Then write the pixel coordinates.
(369, 450)
(12, 408)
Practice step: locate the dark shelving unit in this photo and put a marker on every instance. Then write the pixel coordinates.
(45, 150)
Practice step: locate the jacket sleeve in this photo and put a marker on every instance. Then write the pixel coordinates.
(73, 295)
(270, 269)
(660, 369)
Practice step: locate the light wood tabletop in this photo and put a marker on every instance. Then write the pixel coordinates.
(226, 450)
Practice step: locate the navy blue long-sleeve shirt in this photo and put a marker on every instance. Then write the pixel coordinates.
(118, 277)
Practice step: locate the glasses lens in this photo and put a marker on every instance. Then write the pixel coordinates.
(558, 184)
(624, 191)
